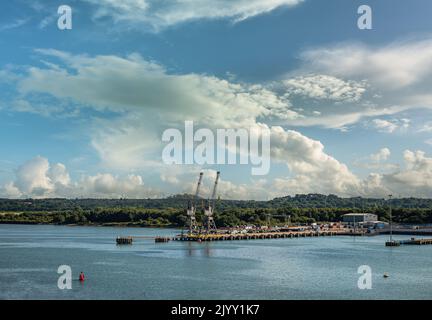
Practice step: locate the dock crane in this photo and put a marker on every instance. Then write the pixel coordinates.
(191, 210)
(209, 209)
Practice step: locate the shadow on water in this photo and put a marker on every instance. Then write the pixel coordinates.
(198, 249)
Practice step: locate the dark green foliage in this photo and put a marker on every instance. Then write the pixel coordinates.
(171, 211)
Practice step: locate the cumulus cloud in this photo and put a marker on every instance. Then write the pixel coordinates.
(184, 181)
(384, 125)
(381, 155)
(395, 66)
(132, 83)
(162, 14)
(108, 186)
(398, 78)
(376, 161)
(148, 99)
(325, 87)
(311, 168)
(414, 179)
(390, 126)
(38, 178)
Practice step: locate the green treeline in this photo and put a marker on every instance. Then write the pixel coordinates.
(180, 202)
(228, 216)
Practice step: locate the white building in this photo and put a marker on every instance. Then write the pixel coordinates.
(351, 218)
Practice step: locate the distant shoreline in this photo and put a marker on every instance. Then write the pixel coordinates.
(115, 225)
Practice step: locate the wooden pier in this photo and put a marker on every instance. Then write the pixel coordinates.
(260, 235)
(124, 240)
(130, 239)
(412, 241)
(256, 235)
(162, 239)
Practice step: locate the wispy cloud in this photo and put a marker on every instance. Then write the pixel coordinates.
(13, 25)
(161, 14)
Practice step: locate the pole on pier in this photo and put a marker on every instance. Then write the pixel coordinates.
(354, 225)
(391, 219)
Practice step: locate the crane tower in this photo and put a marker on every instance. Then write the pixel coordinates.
(191, 210)
(209, 209)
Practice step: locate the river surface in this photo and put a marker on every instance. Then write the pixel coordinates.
(299, 268)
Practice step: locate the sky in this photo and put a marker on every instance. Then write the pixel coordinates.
(82, 111)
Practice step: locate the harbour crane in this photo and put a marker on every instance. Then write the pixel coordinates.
(191, 210)
(209, 209)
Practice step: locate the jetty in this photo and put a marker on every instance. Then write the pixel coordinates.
(130, 239)
(412, 241)
(262, 235)
(253, 235)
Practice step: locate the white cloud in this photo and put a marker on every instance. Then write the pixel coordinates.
(398, 78)
(381, 155)
(376, 161)
(148, 98)
(427, 127)
(384, 125)
(7, 75)
(38, 178)
(162, 14)
(311, 168)
(134, 84)
(10, 191)
(13, 25)
(395, 66)
(325, 87)
(315, 172)
(415, 179)
(391, 126)
(129, 143)
(108, 186)
(340, 119)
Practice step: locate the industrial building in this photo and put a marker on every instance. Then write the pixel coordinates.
(352, 218)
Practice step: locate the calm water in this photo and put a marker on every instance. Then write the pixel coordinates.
(304, 268)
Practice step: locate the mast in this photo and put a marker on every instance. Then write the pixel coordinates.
(391, 219)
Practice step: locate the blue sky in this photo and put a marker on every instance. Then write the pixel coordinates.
(82, 110)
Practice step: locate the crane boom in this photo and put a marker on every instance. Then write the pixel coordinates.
(198, 186)
(213, 197)
(215, 186)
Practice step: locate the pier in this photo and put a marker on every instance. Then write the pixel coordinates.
(412, 241)
(130, 239)
(201, 237)
(261, 235)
